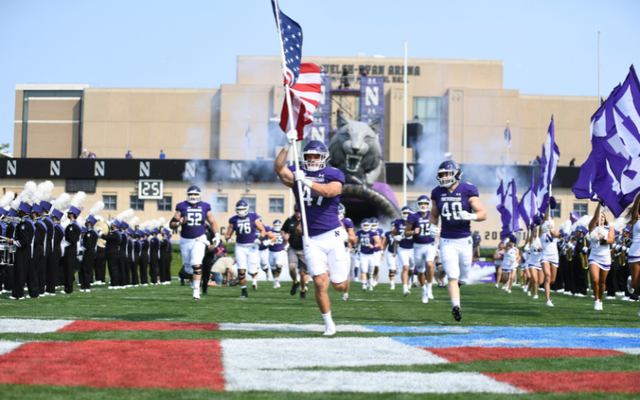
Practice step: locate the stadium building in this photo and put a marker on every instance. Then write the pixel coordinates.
(225, 138)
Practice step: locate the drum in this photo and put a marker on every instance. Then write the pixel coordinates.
(7, 253)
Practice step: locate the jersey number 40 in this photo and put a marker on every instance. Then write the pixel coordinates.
(454, 213)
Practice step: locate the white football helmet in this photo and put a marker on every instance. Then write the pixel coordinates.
(242, 208)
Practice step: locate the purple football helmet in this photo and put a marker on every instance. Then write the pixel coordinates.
(242, 208)
(424, 203)
(448, 173)
(315, 147)
(194, 194)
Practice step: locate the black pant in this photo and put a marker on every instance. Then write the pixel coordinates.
(112, 261)
(153, 268)
(127, 271)
(7, 277)
(32, 271)
(207, 263)
(623, 275)
(87, 268)
(99, 265)
(135, 266)
(165, 268)
(612, 277)
(70, 266)
(121, 269)
(53, 270)
(567, 274)
(144, 263)
(42, 272)
(23, 258)
(580, 277)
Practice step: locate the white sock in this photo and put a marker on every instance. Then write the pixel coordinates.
(455, 302)
(429, 286)
(424, 289)
(196, 285)
(327, 319)
(404, 287)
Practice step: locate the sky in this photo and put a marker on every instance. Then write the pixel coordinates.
(547, 47)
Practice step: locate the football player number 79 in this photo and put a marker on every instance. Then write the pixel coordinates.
(307, 197)
(456, 207)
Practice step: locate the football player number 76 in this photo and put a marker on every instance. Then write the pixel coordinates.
(307, 197)
(454, 212)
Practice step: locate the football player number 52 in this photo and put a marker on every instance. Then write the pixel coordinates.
(453, 212)
(194, 219)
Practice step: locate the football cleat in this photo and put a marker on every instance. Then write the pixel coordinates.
(393, 286)
(457, 313)
(193, 194)
(294, 288)
(244, 293)
(407, 293)
(330, 330)
(425, 298)
(429, 293)
(448, 173)
(303, 295)
(254, 285)
(630, 285)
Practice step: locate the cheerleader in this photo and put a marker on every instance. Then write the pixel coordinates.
(550, 258)
(536, 274)
(510, 263)
(498, 257)
(601, 236)
(633, 260)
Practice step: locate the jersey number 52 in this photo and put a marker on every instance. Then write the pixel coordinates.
(194, 219)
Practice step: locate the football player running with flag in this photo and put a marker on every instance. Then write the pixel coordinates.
(458, 204)
(324, 248)
(191, 215)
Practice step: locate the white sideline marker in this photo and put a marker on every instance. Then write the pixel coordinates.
(629, 350)
(32, 325)
(365, 382)
(291, 327)
(7, 346)
(252, 354)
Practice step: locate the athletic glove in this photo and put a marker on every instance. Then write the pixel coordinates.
(467, 216)
(434, 231)
(292, 136)
(585, 250)
(300, 176)
(397, 238)
(216, 239)
(623, 248)
(257, 241)
(267, 242)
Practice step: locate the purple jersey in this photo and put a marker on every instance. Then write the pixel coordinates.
(418, 221)
(278, 244)
(390, 241)
(196, 216)
(366, 239)
(378, 232)
(400, 226)
(266, 229)
(347, 225)
(449, 205)
(245, 228)
(322, 213)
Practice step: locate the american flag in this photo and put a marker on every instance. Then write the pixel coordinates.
(291, 35)
(305, 97)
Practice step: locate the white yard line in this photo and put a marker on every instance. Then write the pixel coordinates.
(291, 327)
(32, 325)
(635, 352)
(364, 382)
(7, 346)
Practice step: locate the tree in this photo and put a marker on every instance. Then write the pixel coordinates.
(3, 149)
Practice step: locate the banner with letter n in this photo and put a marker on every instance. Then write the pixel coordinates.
(322, 116)
(372, 103)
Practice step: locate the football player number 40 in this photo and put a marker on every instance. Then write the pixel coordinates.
(453, 212)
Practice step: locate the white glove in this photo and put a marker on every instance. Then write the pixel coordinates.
(627, 251)
(267, 242)
(434, 231)
(300, 176)
(216, 240)
(467, 216)
(398, 238)
(257, 241)
(527, 248)
(292, 136)
(616, 247)
(624, 248)
(585, 250)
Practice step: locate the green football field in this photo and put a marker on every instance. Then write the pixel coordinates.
(483, 306)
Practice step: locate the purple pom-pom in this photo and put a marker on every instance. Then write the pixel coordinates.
(552, 202)
(537, 220)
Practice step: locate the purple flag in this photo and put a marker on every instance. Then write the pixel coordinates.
(548, 167)
(508, 209)
(527, 207)
(582, 188)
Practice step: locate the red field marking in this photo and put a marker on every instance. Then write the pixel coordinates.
(101, 326)
(171, 364)
(565, 382)
(469, 354)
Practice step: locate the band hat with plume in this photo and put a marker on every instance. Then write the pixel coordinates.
(95, 210)
(42, 193)
(46, 188)
(60, 204)
(133, 222)
(27, 196)
(565, 227)
(582, 224)
(123, 217)
(5, 202)
(77, 199)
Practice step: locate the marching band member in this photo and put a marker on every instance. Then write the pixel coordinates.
(71, 236)
(23, 239)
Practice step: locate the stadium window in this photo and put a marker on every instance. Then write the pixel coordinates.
(581, 209)
(556, 212)
(135, 203)
(413, 205)
(220, 204)
(164, 204)
(251, 201)
(110, 201)
(276, 205)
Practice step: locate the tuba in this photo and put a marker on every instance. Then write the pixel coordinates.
(105, 230)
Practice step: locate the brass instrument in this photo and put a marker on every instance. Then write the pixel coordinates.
(105, 231)
(622, 257)
(584, 258)
(569, 250)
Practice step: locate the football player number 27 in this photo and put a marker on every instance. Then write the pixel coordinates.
(454, 212)
(307, 197)
(194, 219)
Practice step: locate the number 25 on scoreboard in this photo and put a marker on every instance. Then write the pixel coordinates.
(150, 189)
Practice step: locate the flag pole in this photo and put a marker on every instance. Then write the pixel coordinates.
(291, 125)
(404, 133)
(599, 101)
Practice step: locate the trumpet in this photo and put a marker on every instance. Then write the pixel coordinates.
(12, 219)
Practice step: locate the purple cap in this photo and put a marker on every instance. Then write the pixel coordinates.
(12, 213)
(116, 223)
(582, 229)
(36, 208)
(139, 233)
(166, 231)
(74, 210)
(46, 205)
(25, 208)
(146, 232)
(57, 214)
(124, 225)
(627, 228)
(168, 236)
(91, 219)
(156, 230)
(3, 212)
(84, 230)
